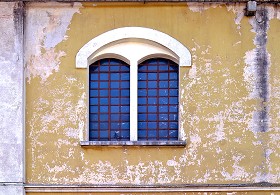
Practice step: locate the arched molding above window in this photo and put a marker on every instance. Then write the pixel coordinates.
(119, 42)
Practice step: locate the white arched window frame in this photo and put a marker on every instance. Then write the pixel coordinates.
(134, 45)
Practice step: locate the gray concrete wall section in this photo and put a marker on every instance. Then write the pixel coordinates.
(11, 99)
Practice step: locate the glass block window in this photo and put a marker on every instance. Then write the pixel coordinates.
(109, 100)
(158, 100)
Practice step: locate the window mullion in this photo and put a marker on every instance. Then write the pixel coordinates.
(133, 101)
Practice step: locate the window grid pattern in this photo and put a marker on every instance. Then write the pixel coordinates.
(158, 100)
(109, 95)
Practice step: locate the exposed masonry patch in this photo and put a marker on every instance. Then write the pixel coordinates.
(46, 26)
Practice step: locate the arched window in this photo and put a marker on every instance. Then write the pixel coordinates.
(158, 100)
(133, 87)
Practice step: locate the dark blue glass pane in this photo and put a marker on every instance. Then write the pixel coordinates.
(142, 84)
(152, 76)
(115, 109)
(173, 125)
(103, 134)
(114, 61)
(163, 108)
(173, 92)
(163, 61)
(93, 101)
(141, 68)
(173, 84)
(93, 134)
(163, 100)
(163, 133)
(142, 117)
(93, 93)
(173, 109)
(125, 101)
(104, 109)
(93, 109)
(124, 84)
(152, 125)
(142, 125)
(104, 101)
(104, 85)
(163, 117)
(114, 68)
(163, 76)
(125, 125)
(104, 93)
(152, 62)
(125, 68)
(125, 76)
(93, 125)
(93, 68)
(103, 76)
(103, 126)
(173, 117)
(141, 133)
(152, 92)
(93, 117)
(173, 75)
(173, 100)
(125, 109)
(163, 92)
(115, 93)
(163, 67)
(142, 76)
(163, 84)
(152, 133)
(115, 135)
(115, 117)
(152, 117)
(152, 101)
(115, 76)
(142, 92)
(152, 67)
(115, 126)
(94, 76)
(104, 68)
(93, 84)
(142, 100)
(103, 117)
(174, 67)
(125, 117)
(115, 101)
(163, 125)
(152, 84)
(104, 62)
(115, 85)
(125, 92)
(152, 108)
(173, 133)
(125, 134)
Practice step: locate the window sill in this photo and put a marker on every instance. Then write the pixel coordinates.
(133, 143)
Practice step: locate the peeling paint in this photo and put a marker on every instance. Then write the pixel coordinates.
(45, 28)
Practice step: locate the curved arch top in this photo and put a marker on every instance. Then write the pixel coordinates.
(130, 33)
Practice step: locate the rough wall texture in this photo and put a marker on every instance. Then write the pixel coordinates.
(229, 97)
(11, 90)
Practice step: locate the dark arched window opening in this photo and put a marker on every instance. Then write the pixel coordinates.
(158, 100)
(109, 103)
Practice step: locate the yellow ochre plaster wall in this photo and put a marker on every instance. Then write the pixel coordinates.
(220, 99)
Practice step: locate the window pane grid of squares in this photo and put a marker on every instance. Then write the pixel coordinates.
(158, 100)
(109, 100)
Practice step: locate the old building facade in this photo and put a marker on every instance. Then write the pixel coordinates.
(212, 99)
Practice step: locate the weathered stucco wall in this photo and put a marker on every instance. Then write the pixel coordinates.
(11, 100)
(229, 97)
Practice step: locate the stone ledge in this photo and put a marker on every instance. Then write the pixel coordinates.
(133, 143)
